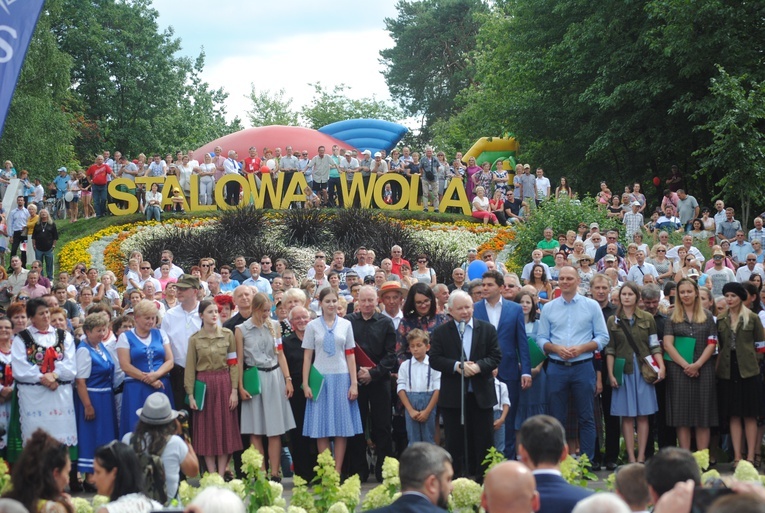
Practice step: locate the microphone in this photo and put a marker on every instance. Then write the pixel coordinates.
(461, 327)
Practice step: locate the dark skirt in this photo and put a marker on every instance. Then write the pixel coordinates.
(216, 427)
(691, 402)
(740, 397)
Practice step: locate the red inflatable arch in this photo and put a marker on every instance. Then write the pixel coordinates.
(275, 136)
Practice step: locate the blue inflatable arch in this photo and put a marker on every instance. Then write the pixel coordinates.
(367, 134)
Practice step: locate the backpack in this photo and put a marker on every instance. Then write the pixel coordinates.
(155, 486)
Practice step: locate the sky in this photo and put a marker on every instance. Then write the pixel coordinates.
(288, 44)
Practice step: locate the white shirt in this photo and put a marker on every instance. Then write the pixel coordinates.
(672, 254)
(543, 187)
(362, 270)
(179, 326)
(503, 397)
(27, 373)
(494, 312)
(396, 318)
(419, 375)
(467, 341)
(157, 285)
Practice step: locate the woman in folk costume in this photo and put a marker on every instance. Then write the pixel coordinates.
(44, 367)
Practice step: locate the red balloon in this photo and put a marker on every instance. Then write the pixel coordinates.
(264, 169)
(656, 181)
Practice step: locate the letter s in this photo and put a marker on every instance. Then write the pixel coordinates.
(5, 46)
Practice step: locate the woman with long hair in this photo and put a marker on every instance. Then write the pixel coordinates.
(538, 280)
(419, 311)
(740, 391)
(212, 359)
(662, 264)
(158, 432)
(146, 358)
(533, 400)
(41, 475)
(471, 170)
(604, 195)
(499, 178)
(259, 344)
(634, 399)
(481, 208)
(497, 206)
(563, 190)
(691, 387)
(335, 412)
(119, 476)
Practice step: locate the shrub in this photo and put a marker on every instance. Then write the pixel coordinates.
(561, 215)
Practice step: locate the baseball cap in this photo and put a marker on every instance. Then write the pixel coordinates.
(609, 258)
(378, 154)
(62, 169)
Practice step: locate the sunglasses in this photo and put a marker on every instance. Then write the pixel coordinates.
(145, 268)
(205, 265)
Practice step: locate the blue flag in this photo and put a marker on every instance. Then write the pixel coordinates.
(17, 24)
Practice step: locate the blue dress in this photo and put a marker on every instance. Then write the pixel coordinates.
(92, 434)
(533, 400)
(147, 359)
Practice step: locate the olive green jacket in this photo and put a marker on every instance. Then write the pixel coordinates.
(746, 355)
(643, 332)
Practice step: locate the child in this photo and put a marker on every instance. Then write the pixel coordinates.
(312, 200)
(418, 386)
(388, 194)
(177, 200)
(500, 412)
(132, 276)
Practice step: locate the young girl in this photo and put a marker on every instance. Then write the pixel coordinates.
(532, 401)
(388, 194)
(94, 403)
(212, 359)
(177, 200)
(335, 412)
(418, 387)
(312, 200)
(259, 344)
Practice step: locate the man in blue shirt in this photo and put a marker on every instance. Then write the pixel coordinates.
(62, 182)
(571, 328)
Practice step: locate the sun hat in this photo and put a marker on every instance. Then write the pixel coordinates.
(390, 286)
(156, 410)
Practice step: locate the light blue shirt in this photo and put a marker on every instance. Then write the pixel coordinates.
(739, 251)
(18, 219)
(572, 323)
(261, 284)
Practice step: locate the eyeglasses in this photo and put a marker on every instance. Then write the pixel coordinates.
(751, 259)
(265, 263)
(423, 302)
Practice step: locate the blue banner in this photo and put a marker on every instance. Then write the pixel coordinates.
(17, 24)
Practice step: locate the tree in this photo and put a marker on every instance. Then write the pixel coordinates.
(38, 133)
(271, 108)
(330, 106)
(737, 126)
(129, 83)
(431, 62)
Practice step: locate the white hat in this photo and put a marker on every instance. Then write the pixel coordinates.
(378, 154)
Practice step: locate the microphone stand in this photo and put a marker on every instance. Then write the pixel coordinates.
(461, 329)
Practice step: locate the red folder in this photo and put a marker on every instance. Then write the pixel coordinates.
(363, 359)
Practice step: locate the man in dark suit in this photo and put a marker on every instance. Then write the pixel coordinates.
(542, 446)
(507, 319)
(425, 471)
(375, 336)
(466, 347)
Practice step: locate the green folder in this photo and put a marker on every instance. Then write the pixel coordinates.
(200, 392)
(619, 370)
(251, 380)
(536, 354)
(316, 382)
(685, 346)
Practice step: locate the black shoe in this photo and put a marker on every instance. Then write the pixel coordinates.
(595, 466)
(275, 479)
(611, 465)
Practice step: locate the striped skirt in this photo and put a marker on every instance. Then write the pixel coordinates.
(216, 427)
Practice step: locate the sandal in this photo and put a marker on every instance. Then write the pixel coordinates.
(733, 465)
(757, 460)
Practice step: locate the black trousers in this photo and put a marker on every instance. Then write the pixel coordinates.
(232, 193)
(479, 429)
(17, 240)
(375, 409)
(302, 448)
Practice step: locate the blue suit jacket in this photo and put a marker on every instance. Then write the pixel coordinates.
(556, 495)
(511, 333)
(410, 503)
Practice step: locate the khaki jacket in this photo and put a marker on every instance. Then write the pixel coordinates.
(643, 331)
(746, 355)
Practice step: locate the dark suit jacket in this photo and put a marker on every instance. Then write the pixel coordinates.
(556, 495)
(511, 332)
(446, 350)
(410, 503)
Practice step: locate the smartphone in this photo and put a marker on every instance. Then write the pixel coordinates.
(671, 300)
(704, 497)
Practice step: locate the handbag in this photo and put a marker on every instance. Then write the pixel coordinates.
(649, 373)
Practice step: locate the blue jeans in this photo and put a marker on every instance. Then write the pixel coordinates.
(99, 199)
(580, 381)
(46, 257)
(152, 212)
(499, 434)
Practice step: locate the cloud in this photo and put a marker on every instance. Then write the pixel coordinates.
(286, 45)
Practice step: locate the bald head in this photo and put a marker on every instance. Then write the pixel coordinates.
(508, 488)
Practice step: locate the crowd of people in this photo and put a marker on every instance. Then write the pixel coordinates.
(649, 342)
